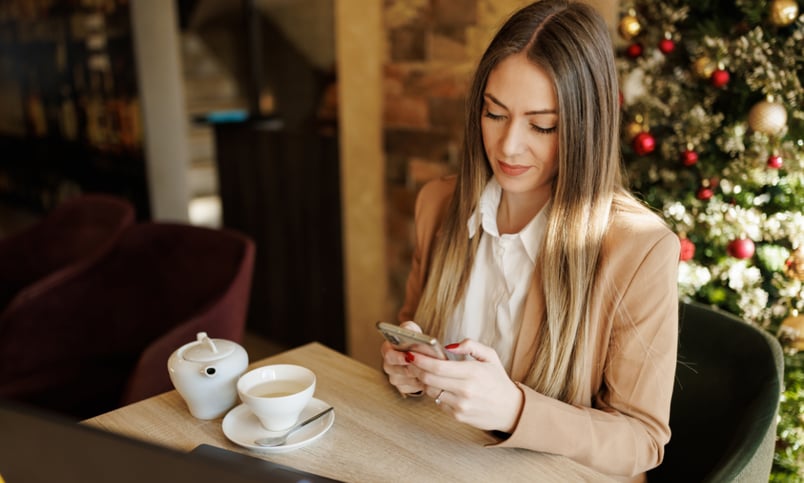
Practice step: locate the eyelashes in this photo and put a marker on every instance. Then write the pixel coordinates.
(536, 128)
(542, 130)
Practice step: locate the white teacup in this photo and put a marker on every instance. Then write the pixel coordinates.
(277, 394)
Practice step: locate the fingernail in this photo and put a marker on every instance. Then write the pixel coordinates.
(409, 357)
(451, 346)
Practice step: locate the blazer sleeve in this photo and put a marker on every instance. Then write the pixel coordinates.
(625, 430)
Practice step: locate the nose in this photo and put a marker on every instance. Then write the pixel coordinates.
(513, 140)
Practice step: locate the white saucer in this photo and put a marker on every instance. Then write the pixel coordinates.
(242, 427)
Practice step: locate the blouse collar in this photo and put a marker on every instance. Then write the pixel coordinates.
(485, 216)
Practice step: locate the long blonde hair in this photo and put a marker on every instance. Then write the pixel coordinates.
(570, 41)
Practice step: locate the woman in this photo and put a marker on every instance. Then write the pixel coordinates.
(553, 284)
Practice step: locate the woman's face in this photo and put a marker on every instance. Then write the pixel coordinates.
(520, 126)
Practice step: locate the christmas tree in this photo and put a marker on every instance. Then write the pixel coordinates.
(713, 138)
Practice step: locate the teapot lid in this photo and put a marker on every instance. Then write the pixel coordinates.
(207, 350)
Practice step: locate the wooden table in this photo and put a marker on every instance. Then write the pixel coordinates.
(377, 435)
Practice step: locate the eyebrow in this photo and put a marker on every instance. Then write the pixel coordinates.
(529, 113)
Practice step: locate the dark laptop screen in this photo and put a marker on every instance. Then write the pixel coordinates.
(41, 447)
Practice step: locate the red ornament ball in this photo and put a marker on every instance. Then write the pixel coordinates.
(719, 78)
(705, 193)
(643, 143)
(741, 248)
(666, 46)
(775, 161)
(689, 157)
(634, 50)
(687, 249)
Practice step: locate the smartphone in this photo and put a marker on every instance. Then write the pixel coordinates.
(407, 340)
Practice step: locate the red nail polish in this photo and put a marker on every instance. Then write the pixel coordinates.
(451, 346)
(409, 357)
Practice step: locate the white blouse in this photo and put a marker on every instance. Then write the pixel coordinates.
(491, 309)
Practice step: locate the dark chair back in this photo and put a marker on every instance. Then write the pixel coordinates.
(103, 339)
(214, 275)
(76, 234)
(725, 401)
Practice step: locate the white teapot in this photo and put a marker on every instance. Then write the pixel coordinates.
(205, 374)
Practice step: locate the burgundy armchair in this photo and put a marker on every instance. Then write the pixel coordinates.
(76, 234)
(103, 339)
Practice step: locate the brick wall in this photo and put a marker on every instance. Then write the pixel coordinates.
(432, 49)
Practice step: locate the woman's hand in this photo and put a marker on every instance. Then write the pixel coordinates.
(397, 368)
(477, 392)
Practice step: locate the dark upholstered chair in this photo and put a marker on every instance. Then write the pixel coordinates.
(70, 238)
(725, 402)
(103, 339)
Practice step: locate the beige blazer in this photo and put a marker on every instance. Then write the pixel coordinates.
(623, 423)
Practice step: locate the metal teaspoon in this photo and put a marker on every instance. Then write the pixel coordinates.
(280, 440)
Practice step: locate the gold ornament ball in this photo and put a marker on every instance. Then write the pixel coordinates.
(767, 117)
(629, 27)
(632, 129)
(793, 327)
(794, 266)
(783, 12)
(703, 67)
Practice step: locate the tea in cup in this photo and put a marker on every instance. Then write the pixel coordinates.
(277, 394)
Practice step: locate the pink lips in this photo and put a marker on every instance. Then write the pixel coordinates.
(512, 170)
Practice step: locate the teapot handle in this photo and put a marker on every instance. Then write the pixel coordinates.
(202, 337)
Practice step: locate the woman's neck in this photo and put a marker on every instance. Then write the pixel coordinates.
(517, 209)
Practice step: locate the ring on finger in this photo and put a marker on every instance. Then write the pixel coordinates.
(438, 398)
